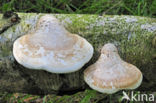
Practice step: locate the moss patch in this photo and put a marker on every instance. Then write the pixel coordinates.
(132, 35)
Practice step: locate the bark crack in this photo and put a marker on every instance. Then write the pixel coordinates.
(11, 19)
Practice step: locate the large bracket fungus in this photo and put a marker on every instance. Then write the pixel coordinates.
(111, 74)
(52, 48)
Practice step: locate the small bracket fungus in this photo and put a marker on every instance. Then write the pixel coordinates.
(52, 48)
(111, 74)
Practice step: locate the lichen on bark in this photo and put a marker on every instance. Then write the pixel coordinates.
(133, 36)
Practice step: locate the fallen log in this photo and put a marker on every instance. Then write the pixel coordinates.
(132, 35)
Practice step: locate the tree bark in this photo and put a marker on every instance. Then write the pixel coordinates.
(132, 35)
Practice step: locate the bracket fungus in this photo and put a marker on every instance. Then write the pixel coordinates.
(111, 74)
(52, 48)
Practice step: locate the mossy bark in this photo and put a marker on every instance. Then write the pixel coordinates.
(132, 35)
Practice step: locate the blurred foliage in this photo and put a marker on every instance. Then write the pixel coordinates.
(87, 96)
(113, 7)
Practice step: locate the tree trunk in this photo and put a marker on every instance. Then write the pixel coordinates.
(132, 35)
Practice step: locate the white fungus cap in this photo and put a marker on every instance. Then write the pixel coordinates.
(52, 48)
(111, 74)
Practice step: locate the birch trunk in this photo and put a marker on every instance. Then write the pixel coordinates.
(132, 35)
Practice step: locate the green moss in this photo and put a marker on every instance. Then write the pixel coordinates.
(154, 42)
(6, 50)
(124, 31)
(132, 35)
(129, 33)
